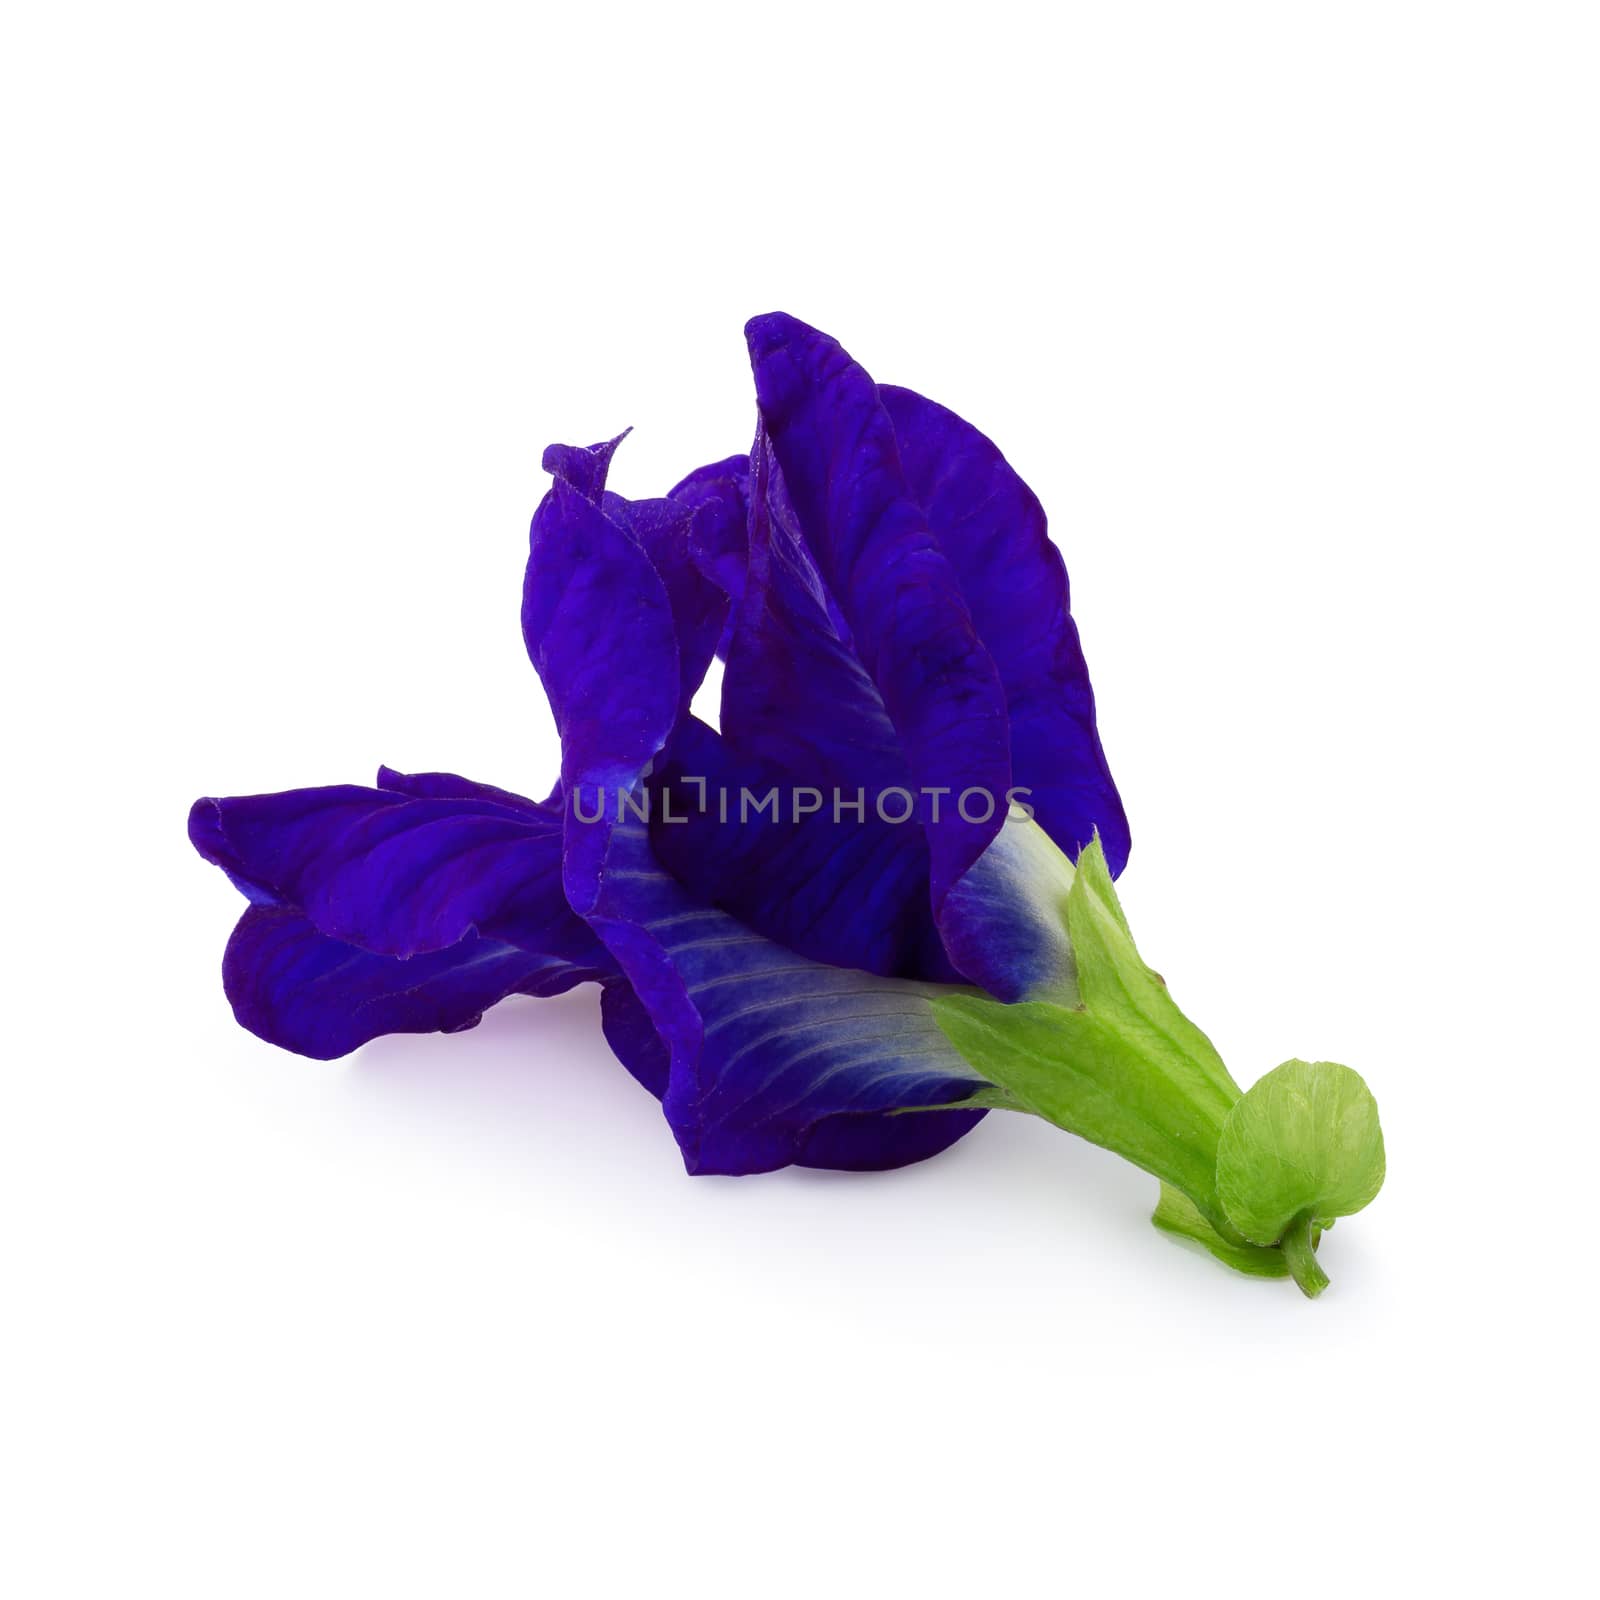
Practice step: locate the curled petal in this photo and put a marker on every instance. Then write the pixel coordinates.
(992, 530)
(447, 786)
(769, 1058)
(582, 468)
(599, 562)
(898, 595)
(402, 909)
(398, 874)
(797, 693)
(754, 1049)
(599, 630)
(718, 498)
(664, 529)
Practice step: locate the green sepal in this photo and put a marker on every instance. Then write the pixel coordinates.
(1125, 994)
(1074, 1070)
(1303, 1143)
(1125, 1068)
(1253, 1178)
(1176, 1214)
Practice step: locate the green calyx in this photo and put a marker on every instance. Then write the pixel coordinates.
(1252, 1176)
(1301, 1147)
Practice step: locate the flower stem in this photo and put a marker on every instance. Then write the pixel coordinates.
(1303, 1265)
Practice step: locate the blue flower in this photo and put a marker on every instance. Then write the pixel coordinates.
(897, 643)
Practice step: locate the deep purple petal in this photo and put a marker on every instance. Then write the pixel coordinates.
(992, 530)
(797, 693)
(899, 596)
(599, 629)
(560, 598)
(448, 786)
(718, 497)
(867, 1142)
(633, 1037)
(583, 467)
(770, 1058)
(300, 990)
(753, 1046)
(837, 885)
(854, 660)
(664, 529)
(398, 874)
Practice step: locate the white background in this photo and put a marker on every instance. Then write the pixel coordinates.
(1289, 315)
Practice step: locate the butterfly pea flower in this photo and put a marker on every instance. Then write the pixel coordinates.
(874, 902)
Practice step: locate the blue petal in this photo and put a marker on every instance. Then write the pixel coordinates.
(718, 497)
(399, 874)
(755, 1047)
(1005, 922)
(848, 891)
(769, 1058)
(633, 1037)
(992, 530)
(300, 990)
(582, 467)
(812, 667)
(796, 693)
(448, 786)
(805, 695)
(592, 601)
(641, 551)
(664, 529)
(854, 661)
(897, 594)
